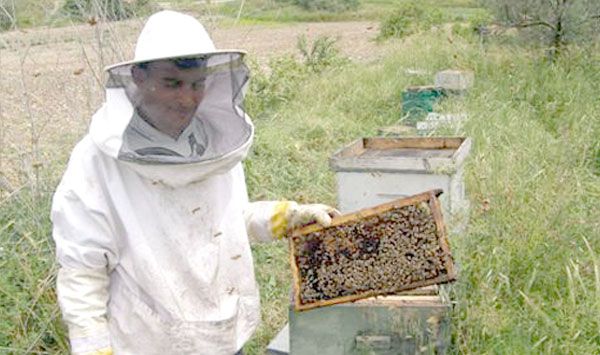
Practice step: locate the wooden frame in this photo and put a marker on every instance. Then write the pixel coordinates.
(353, 157)
(430, 196)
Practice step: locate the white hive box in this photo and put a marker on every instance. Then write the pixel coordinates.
(454, 80)
(436, 120)
(372, 171)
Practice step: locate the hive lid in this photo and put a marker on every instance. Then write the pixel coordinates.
(414, 154)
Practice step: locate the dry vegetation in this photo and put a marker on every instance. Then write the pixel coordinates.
(52, 82)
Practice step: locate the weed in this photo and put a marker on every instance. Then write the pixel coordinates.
(278, 84)
(273, 86)
(328, 5)
(112, 10)
(30, 320)
(321, 55)
(407, 19)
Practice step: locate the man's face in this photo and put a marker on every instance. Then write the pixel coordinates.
(169, 95)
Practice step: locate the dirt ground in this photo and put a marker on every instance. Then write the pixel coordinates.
(52, 79)
(354, 39)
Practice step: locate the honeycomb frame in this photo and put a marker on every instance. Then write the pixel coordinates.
(375, 243)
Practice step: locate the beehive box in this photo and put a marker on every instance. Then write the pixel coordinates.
(386, 249)
(454, 81)
(372, 171)
(388, 325)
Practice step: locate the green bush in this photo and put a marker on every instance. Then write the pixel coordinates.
(273, 86)
(269, 88)
(112, 10)
(21, 14)
(477, 25)
(7, 18)
(328, 5)
(552, 24)
(409, 18)
(322, 53)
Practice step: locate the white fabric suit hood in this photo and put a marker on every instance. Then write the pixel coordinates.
(166, 36)
(168, 230)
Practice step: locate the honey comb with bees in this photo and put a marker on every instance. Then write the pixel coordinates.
(393, 247)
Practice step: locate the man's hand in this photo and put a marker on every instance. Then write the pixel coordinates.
(283, 216)
(300, 215)
(105, 351)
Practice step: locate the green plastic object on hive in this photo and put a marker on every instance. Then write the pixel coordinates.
(417, 101)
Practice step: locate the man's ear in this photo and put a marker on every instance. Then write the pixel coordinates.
(138, 74)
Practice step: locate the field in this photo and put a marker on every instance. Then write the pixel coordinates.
(529, 264)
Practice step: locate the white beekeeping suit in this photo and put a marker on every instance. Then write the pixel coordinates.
(152, 219)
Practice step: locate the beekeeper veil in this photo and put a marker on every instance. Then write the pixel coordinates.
(177, 105)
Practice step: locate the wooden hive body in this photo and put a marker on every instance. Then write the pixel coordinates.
(389, 325)
(372, 171)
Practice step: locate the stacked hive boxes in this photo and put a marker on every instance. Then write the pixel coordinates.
(376, 170)
(370, 172)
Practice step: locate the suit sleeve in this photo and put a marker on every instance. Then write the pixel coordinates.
(86, 252)
(265, 220)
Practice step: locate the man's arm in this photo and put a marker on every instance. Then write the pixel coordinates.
(83, 298)
(86, 252)
(268, 220)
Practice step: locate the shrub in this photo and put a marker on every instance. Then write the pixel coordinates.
(328, 5)
(481, 24)
(407, 19)
(272, 87)
(276, 85)
(7, 17)
(554, 24)
(112, 10)
(322, 53)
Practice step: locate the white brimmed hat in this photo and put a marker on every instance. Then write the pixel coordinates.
(169, 34)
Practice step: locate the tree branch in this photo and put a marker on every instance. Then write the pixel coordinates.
(525, 24)
(589, 18)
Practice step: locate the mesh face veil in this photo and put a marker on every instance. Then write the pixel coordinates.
(182, 110)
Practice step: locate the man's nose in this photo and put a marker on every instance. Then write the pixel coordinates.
(189, 96)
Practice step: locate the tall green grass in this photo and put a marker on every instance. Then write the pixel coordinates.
(535, 126)
(30, 320)
(529, 265)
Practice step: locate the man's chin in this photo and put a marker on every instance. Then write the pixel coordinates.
(182, 124)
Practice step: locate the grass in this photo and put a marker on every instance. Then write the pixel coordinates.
(374, 10)
(529, 278)
(534, 167)
(29, 13)
(30, 317)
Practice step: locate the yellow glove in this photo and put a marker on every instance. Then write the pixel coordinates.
(105, 351)
(289, 215)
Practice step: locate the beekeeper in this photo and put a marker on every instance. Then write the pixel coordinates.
(152, 218)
